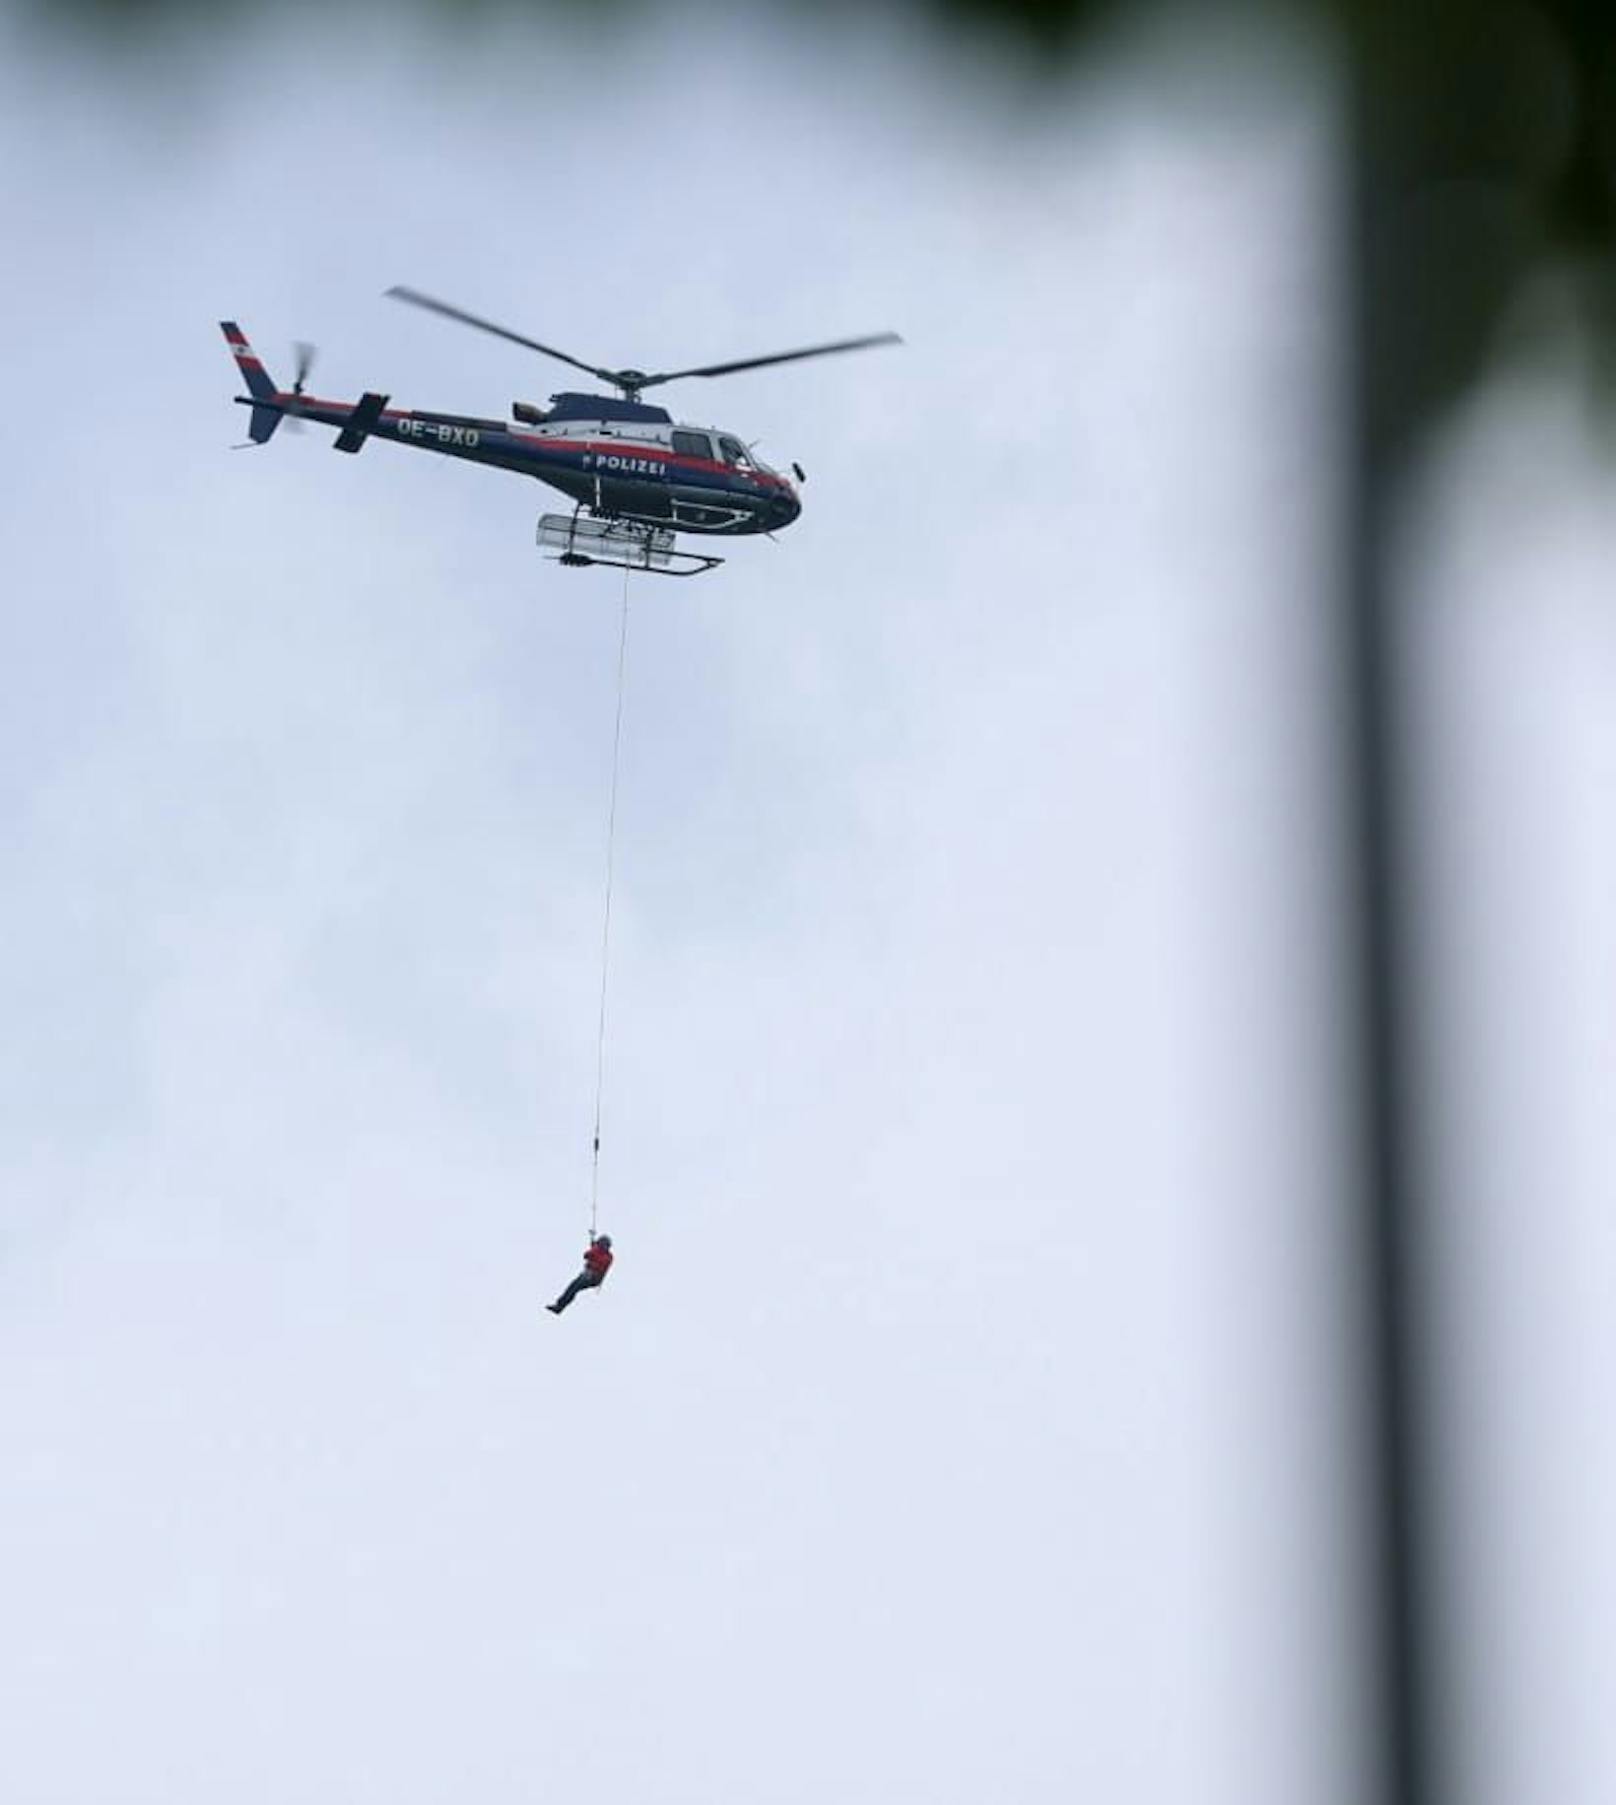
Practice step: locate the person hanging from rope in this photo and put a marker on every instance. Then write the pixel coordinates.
(598, 1254)
(597, 1263)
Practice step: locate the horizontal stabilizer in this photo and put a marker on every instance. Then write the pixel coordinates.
(361, 423)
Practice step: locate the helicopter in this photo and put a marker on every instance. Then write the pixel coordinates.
(635, 475)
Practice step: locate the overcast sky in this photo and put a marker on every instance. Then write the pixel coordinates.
(964, 1419)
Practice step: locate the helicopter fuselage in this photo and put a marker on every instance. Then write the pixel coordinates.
(621, 460)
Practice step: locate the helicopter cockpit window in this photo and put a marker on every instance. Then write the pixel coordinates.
(692, 445)
(735, 453)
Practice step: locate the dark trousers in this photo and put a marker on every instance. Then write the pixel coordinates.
(585, 1281)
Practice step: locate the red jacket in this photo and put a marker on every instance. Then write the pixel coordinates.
(598, 1260)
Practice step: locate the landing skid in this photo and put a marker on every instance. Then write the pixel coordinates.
(578, 540)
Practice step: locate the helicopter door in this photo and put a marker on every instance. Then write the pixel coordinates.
(631, 477)
(691, 492)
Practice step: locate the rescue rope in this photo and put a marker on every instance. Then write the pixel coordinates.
(606, 919)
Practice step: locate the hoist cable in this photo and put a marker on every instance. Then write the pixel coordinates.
(606, 917)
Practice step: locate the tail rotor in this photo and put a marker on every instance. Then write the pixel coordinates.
(303, 354)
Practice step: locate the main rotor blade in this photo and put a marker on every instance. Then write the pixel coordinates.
(777, 357)
(417, 299)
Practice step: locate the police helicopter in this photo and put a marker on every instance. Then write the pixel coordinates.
(635, 475)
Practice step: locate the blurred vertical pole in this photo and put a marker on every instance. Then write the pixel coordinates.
(1377, 966)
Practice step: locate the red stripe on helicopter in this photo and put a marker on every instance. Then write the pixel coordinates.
(675, 459)
(618, 449)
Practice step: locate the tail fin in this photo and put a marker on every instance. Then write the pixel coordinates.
(264, 419)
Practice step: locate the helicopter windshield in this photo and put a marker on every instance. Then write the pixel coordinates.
(737, 455)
